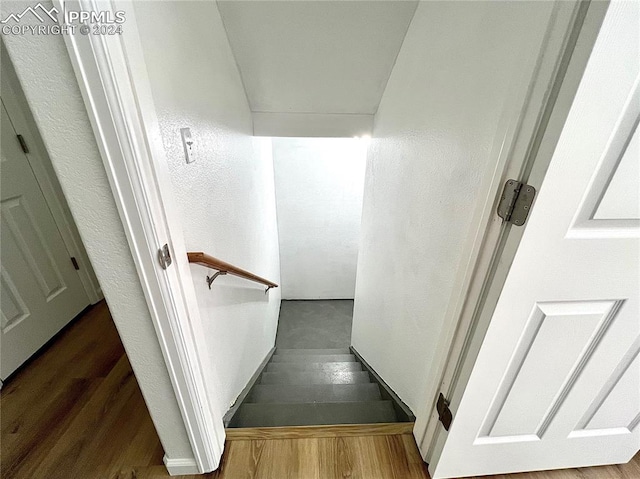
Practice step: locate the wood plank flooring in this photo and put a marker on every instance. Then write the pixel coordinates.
(302, 432)
(76, 412)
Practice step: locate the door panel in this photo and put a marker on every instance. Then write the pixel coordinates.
(614, 409)
(621, 198)
(556, 383)
(41, 290)
(12, 306)
(553, 350)
(18, 218)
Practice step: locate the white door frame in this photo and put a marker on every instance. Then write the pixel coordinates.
(540, 101)
(112, 76)
(37, 157)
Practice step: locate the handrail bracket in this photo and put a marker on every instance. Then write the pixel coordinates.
(210, 279)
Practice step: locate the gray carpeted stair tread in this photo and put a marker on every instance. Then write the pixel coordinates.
(303, 414)
(299, 367)
(278, 393)
(315, 377)
(280, 351)
(312, 358)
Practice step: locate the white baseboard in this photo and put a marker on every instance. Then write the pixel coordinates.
(181, 466)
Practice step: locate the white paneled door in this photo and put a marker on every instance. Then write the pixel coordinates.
(557, 380)
(40, 290)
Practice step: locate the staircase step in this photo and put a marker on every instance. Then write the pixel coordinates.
(313, 358)
(312, 351)
(304, 414)
(303, 366)
(277, 393)
(315, 377)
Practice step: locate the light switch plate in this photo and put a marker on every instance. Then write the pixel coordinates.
(187, 143)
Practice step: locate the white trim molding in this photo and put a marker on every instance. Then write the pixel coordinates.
(112, 76)
(180, 467)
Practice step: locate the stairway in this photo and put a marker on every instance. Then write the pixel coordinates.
(300, 387)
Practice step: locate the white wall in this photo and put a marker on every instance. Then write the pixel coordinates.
(316, 57)
(319, 184)
(432, 138)
(48, 81)
(225, 198)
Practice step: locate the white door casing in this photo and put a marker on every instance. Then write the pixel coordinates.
(112, 77)
(40, 289)
(556, 383)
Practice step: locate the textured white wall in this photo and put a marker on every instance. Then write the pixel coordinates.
(432, 138)
(225, 198)
(319, 184)
(48, 81)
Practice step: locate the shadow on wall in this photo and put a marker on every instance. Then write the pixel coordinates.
(226, 295)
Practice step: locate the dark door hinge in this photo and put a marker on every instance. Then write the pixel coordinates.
(75, 263)
(516, 201)
(23, 143)
(444, 413)
(164, 256)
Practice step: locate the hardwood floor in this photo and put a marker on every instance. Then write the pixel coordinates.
(623, 471)
(76, 412)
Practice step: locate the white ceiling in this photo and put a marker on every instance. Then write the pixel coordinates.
(316, 56)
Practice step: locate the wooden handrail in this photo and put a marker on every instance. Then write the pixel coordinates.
(226, 268)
